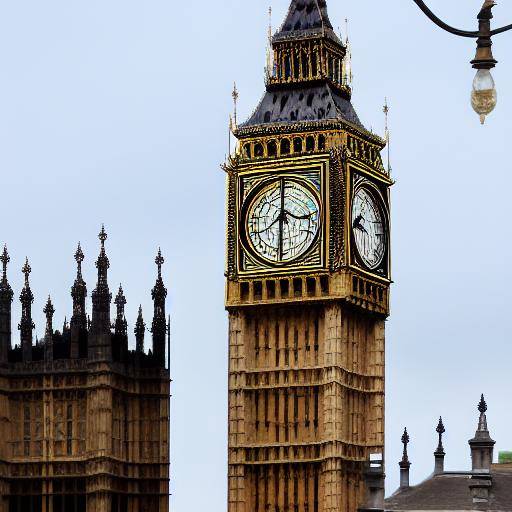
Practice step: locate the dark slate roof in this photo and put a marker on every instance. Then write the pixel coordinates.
(306, 18)
(308, 103)
(450, 491)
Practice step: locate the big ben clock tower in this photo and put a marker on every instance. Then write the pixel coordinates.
(308, 275)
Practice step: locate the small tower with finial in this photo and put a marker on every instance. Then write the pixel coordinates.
(482, 446)
(78, 323)
(48, 310)
(387, 134)
(439, 454)
(120, 326)
(405, 464)
(140, 330)
(26, 324)
(235, 96)
(6, 297)
(159, 325)
(100, 345)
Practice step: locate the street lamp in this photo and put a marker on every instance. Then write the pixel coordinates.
(483, 95)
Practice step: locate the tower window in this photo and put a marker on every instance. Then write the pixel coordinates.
(324, 284)
(297, 145)
(311, 286)
(272, 148)
(271, 289)
(285, 147)
(247, 149)
(310, 143)
(244, 291)
(296, 66)
(285, 288)
(258, 290)
(305, 65)
(314, 65)
(258, 150)
(297, 287)
(321, 143)
(287, 67)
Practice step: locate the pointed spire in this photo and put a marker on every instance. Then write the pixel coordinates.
(439, 454)
(405, 464)
(140, 329)
(121, 324)
(78, 319)
(482, 446)
(26, 324)
(235, 97)
(48, 310)
(99, 342)
(158, 326)
(6, 296)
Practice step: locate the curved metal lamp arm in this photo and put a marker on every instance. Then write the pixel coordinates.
(501, 30)
(442, 24)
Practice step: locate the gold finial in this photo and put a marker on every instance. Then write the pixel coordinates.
(387, 137)
(346, 30)
(235, 95)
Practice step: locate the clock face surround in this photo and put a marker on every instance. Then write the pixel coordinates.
(369, 228)
(282, 220)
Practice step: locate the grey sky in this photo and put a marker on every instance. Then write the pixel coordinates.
(116, 112)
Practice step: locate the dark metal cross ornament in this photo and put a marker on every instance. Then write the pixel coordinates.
(103, 236)
(159, 260)
(5, 258)
(26, 270)
(482, 406)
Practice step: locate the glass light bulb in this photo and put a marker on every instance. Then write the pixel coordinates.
(483, 97)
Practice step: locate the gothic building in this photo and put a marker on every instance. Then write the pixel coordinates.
(84, 421)
(487, 486)
(308, 277)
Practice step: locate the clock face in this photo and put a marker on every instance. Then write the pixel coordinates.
(283, 220)
(369, 229)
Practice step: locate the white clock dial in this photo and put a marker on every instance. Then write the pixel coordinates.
(369, 229)
(283, 220)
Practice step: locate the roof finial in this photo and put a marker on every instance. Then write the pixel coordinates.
(440, 430)
(387, 135)
(346, 30)
(405, 441)
(235, 96)
(49, 310)
(159, 260)
(27, 269)
(5, 258)
(120, 302)
(482, 407)
(103, 235)
(79, 257)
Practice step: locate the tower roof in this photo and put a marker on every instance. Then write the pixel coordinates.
(306, 18)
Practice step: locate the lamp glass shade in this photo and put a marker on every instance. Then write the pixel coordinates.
(483, 97)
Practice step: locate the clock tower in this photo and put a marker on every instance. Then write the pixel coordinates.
(308, 275)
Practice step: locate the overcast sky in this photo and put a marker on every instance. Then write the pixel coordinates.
(116, 111)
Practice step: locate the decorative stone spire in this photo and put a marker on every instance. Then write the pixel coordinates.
(405, 464)
(6, 296)
(100, 346)
(482, 446)
(48, 310)
(121, 324)
(439, 453)
(140, 329)
(79, 318)
(26, 324)
(158, 326)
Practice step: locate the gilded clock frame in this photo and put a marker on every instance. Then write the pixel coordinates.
(379, 186)
(294, 168)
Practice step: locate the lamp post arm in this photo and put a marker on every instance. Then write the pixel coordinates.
(501, 30)
(445, 26)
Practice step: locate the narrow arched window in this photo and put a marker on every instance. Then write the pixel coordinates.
(297, 145)
(285, 147)
(310, 143)
(258, 150)
(272, 148)
(247, 149)
(321, 142)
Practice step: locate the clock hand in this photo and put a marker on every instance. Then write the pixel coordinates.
(357, 224)
(302, 217)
